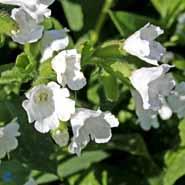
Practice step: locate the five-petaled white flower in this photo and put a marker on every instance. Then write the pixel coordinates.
(67, 67)
(31, 181)
(142, 44)
(176, 100)
(91, 125)
(53, 40)
(29, 31)
(47, 105)
(8, 140)
(153, 84)
(37, 9)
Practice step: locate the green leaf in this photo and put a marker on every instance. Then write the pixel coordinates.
(76, 164)
(7, 24)
(110, 85)
(182, 132)
(131, 143)
(111, 49)
(46, 73)
(175, 162)
(51, 23)
(169, 10)
(75, 19)
(127, 23)
(43, 178)
(2, 40)
(84, 179)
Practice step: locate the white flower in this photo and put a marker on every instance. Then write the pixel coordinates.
(53, 40)
(146, 118)
(37, 9)
(142, 44)
(29, 31)
(61, 137)
(177, 100)
(31, 181)
(8, 140)
(153, 84)
(91, 125)
(67, 67)
(47, 105)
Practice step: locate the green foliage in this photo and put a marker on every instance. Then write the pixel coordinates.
(76, 164)
(127, 23)
(7, 24)
(98, 29)
(13, 173)
(169, 10)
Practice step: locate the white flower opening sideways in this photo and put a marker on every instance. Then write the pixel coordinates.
(91, 125)
(142, 45)
(29, 31)
(37, 9)
(46, 105)
(153, 84)
(53, 40)
(8, 140)
(67, 67)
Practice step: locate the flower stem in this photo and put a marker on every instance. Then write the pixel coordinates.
(101, 20)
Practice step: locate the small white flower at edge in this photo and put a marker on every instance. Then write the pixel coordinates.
(31, 181)
(53, 40)
(46, 105)
(142, 45)
(91, 125)
(8, 140)
(37, 9)
(67, 67)
(29, 31)
(153, 84)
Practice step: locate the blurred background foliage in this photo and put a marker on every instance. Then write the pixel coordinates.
(133, 157)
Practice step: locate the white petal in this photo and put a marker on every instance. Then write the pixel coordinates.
(53, 40)
(111, 119)
(150, 32)
(165, 112)
(177, 100)
(8, 140)
(141, 44)
(36, 109)
(146, 118)
(59, 63)
(29, 30)
(47, 124)
(160, 88)
(67, 67)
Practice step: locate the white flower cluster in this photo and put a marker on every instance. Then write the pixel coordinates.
(155, 91)
(49, 105)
